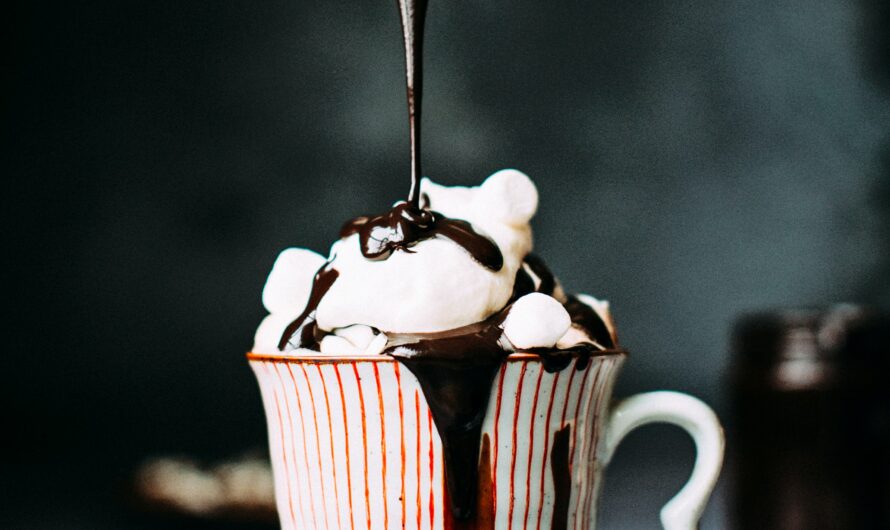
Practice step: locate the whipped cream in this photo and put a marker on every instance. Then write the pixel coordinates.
(435, 285)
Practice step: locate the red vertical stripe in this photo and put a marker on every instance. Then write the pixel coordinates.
(327, 405)
(417, 445)
(346, 439)
(429, 420)
(380, 406)
(305, 452)
(361, 401)
(290, 497)
(606, 366)
(578, 408)
(587, 438)
(531, 447)
(581, 396)
(565, 404)
(402, 435)
(321, 477)
(293, 439)
(584, 380)
(294, 435)
(516, 408)
(497, 420)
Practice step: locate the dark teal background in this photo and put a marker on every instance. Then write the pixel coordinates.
(695, 160)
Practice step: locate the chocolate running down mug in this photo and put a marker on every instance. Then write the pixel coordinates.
(354, 445)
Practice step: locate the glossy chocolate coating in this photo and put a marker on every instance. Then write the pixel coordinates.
(404, 226)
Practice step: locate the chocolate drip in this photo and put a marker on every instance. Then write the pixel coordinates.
(557, 360)
(404, 226)
(548, 281)
(590, 321)
(456, 370)
(522, 285)
(485, 508)
(305, 323)
(561, 471)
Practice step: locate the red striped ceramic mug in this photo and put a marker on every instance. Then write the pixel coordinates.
(353, 444)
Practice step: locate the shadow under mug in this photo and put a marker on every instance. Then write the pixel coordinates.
(353, 444)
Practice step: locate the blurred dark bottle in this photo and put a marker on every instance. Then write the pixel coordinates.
(810, 446)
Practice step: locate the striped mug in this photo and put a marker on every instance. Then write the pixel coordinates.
(353, 444)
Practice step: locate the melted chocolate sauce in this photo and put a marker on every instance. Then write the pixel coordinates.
(485, 508)
(522, 285)
(305, 323)
(562, 478)
(548, 281)
(404, 226)
(456, 369)
(589, 320)
(558, 360)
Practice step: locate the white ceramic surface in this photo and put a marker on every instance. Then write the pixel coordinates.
(353, 445)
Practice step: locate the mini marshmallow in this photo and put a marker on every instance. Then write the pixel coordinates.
(334, 345)
(269, 332)
(360, 336)
(288, 286)
(536, 321)
(510, 196)
(377, 345)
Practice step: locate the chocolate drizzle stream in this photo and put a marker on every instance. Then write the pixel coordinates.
(562, 478)
(408, 223)
(413, 14)
(404, 226)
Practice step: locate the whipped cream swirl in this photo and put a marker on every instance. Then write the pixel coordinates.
(430, 284)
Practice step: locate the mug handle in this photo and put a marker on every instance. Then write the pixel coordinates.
(684, 510)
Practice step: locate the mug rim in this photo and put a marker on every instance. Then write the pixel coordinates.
(342, 359)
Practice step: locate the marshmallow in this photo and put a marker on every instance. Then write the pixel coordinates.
(353, 340)
(360, 336)
(377, 345)
(334, 345)
(270, 330)
(536, 321)
(288, 286)
(511, 196)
